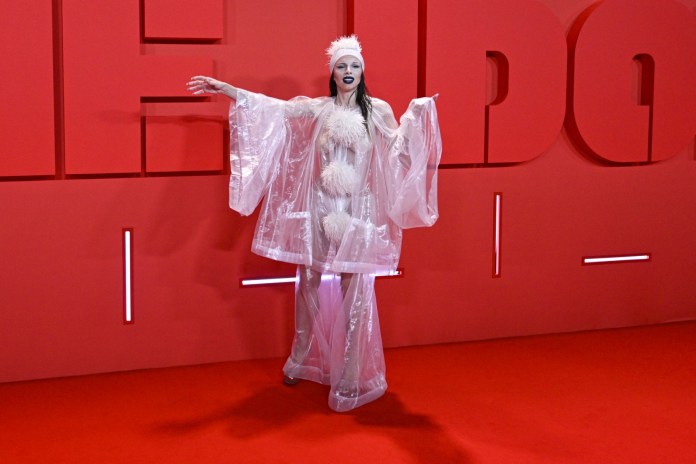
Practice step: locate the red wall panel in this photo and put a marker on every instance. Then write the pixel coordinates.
(27, 112)
(61, 278)
(556, 210)
(61, 311)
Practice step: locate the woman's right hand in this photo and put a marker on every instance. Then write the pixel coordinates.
(204, 84)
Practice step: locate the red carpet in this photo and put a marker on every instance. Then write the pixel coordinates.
(618, 396)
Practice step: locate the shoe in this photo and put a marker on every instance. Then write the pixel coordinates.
(346, 389)
(347, 394)
(287, 380)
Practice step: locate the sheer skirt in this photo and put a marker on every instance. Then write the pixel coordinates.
(337, 338)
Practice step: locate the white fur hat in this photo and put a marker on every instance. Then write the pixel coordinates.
(344, 46)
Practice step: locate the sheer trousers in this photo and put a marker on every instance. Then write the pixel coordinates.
(337, 339)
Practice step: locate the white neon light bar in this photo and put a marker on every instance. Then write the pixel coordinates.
(616, 259)
(496, 245)
(269, 281)
(127, 277)
(292, 280)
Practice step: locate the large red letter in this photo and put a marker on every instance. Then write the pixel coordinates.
(526, 42)
(27, 112)
(106, 74)
(633, 92)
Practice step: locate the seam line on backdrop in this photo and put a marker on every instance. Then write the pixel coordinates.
(350, 17)
(422, 47)
(58, 90)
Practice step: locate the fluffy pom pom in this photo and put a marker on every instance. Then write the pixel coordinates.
(345, 127)
(339, 178)
(335, 225)
(344, 42)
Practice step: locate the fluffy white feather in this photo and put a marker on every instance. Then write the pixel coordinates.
(345, 127)
(335, 225)
(339, 178)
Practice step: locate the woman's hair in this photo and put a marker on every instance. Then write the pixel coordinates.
(362, 97)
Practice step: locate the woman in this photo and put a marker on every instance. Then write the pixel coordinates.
(340, 179)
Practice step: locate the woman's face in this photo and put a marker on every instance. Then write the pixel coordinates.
(347, 73)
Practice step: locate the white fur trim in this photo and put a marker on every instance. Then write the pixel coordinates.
(345, 126)
(344, 46)
(335, 225)
(339, 178)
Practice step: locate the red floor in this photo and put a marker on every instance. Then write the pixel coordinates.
(618, 396)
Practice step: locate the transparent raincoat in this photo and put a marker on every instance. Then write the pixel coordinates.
(337, 193)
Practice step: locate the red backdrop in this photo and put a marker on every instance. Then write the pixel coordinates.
(580, 114)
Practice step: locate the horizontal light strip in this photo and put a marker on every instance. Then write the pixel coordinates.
(616, 259)
(269, 281)
(127, 276)
(292, 280)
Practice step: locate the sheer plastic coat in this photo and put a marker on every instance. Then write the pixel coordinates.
(279, 152)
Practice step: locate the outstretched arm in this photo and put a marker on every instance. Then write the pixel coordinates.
(204, 84)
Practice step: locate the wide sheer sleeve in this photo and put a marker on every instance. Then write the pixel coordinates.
(413, 151)
(261, 136)
(258, 136)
